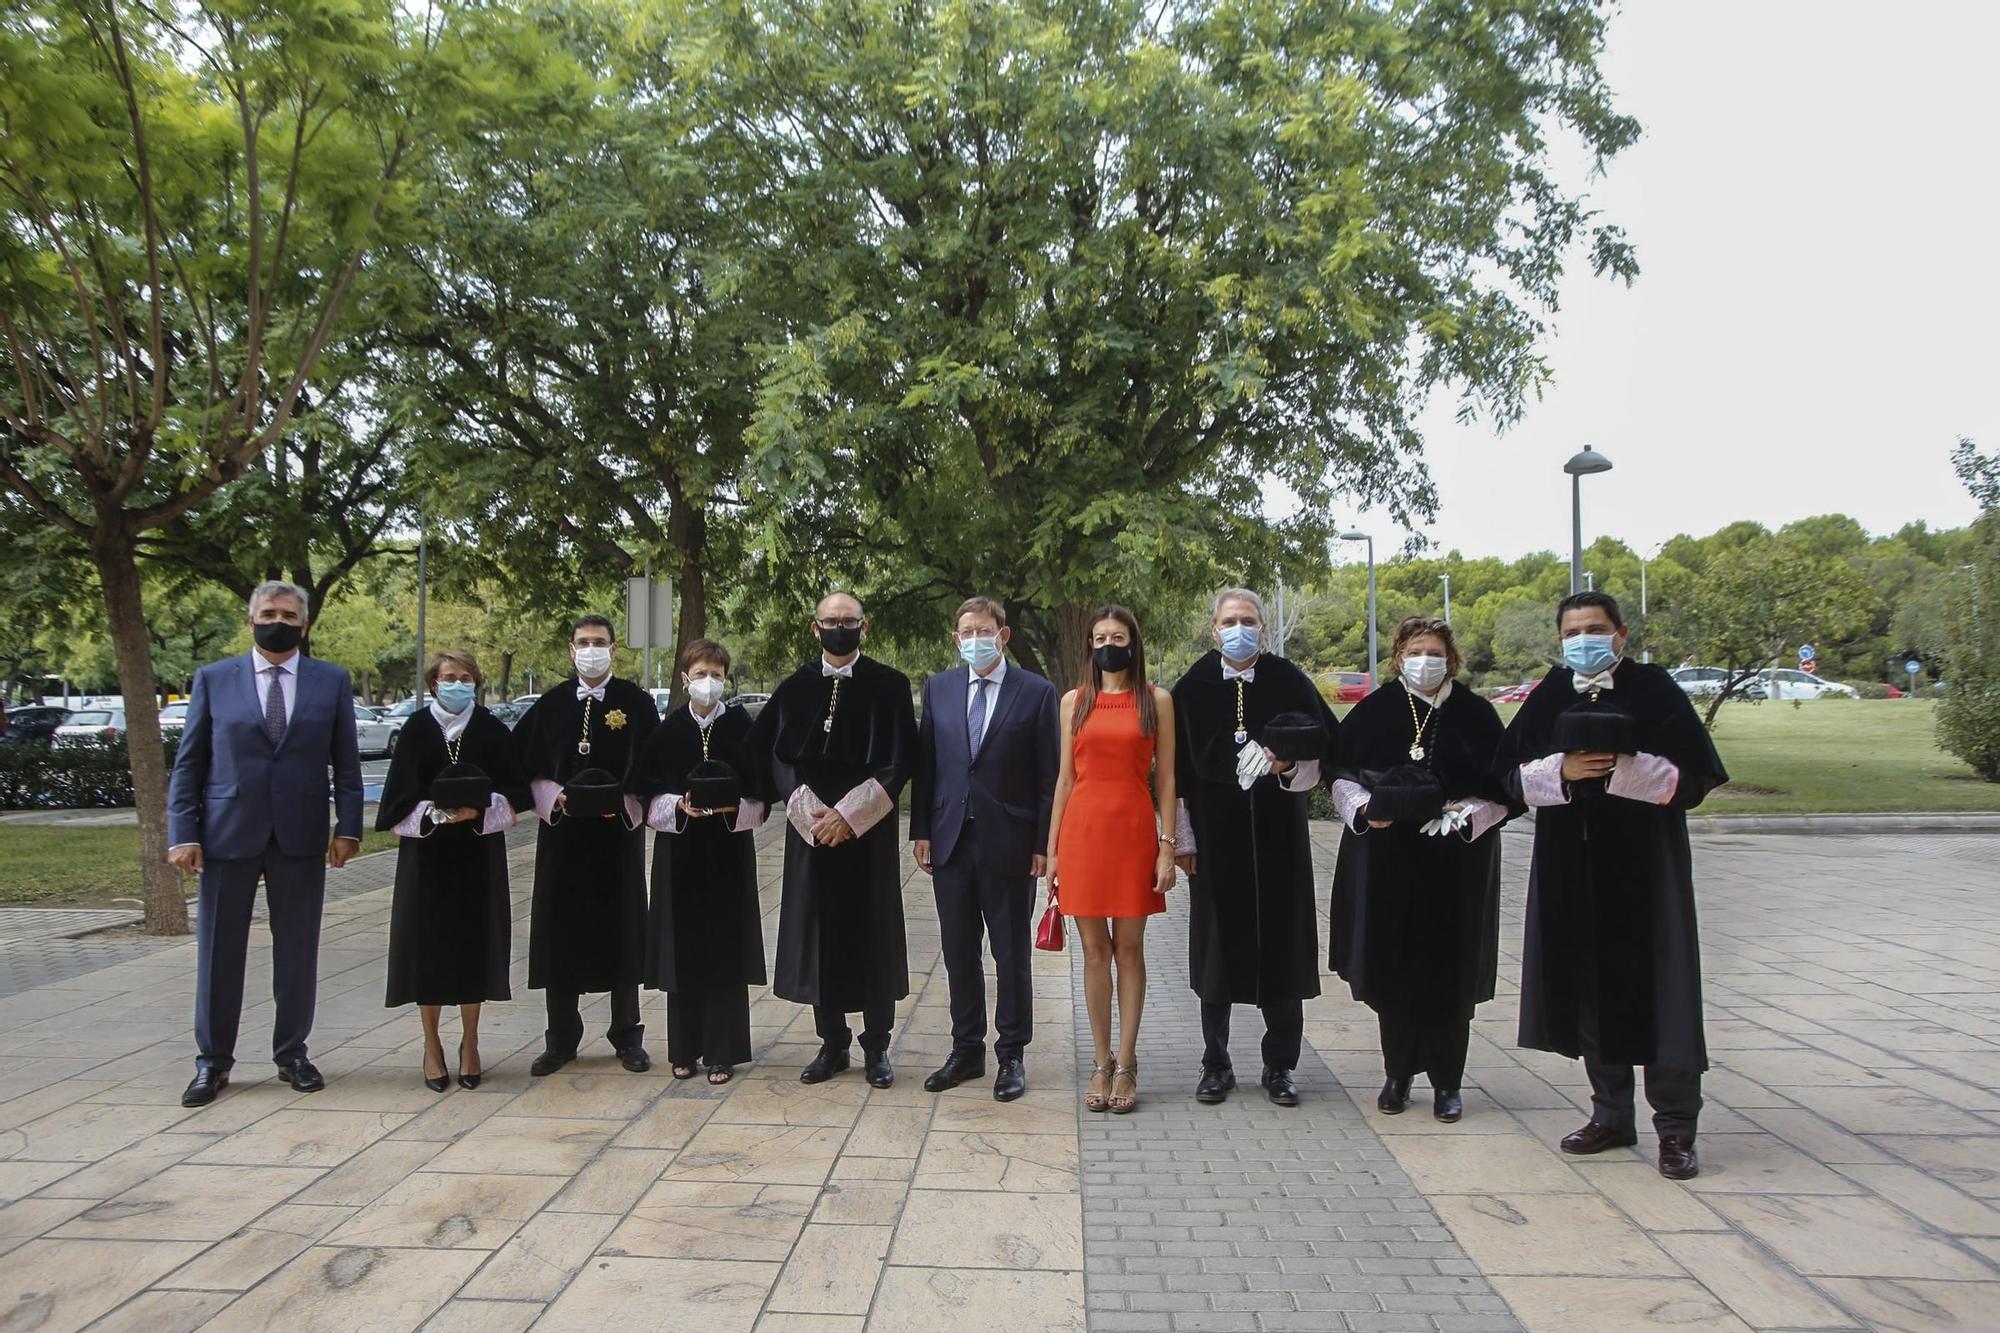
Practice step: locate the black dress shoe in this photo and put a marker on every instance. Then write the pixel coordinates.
(1216, 1084)
(1447, 1105)
(1677, 1159)
(1394, 1099)
(301, 1075)
(1011, 1081)
(205, 1085)
(876, 1068)
(1280, 1087)
(958, 1067)
(1596, 1138)
(465, 1080)
(635, 1059)
(825, 1065)
(548, 1062)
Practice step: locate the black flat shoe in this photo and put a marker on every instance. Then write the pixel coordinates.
(635, 1059)
(301, 1075)
(1281, 1087)
(1447, 1105)
(958, 1067)
(825, 1065)
(1394, 1099)
(1215, 1085)
(465, 1080)
(548, 1062)
(877, 1070)
(1011, 1081)
(204, 1087)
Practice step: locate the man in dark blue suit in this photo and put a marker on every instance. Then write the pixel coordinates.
(248, 800)
(987, 758)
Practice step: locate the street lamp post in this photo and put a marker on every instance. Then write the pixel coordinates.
(1354, 535)
(423, 597)
(1447, 597)
(1580, 466)
(1644, 627)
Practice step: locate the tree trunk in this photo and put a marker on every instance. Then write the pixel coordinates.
(114, 553)
(506, 676)
(687, 531)
(1071, 643)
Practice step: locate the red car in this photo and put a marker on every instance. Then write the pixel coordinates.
(1349, 687)
(1516, 694)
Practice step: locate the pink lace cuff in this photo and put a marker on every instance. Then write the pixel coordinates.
(1644, 777)
(1350, 799)
(1481, 816)
(545, 793)
(865, 806)
(1542, 782)
(499, 816)
(413, 825)
(1302, 776)
(749, 815)
(1183, 830)
(665, 815)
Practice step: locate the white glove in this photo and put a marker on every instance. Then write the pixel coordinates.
(1451, 821)
(1251, 763)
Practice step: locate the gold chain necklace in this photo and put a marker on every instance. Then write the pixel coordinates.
(833, 702)
(704, 730)
(1417, 750)
(1242, 733)
(583, 743)
(453, 745)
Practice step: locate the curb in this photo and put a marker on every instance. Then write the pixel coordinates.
(1855, 823)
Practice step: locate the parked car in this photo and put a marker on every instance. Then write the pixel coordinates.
(1786, 683)
(374, 734)
(34, 722)
(508, 714)
(1348, 686)
(524, 700)
(108, 723)
(752, 704)
(1891, 692)
(1517, 694)
(1700, 682)
(173, 717)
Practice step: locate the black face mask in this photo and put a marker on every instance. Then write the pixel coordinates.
(1112, 656)
(839, 642)
(277, 636)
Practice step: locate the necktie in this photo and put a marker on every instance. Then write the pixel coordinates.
(975, 719)
(274, 706)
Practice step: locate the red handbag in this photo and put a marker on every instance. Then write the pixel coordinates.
(1049, 934)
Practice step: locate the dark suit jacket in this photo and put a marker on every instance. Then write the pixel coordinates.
(1008, 790)
(232, 792)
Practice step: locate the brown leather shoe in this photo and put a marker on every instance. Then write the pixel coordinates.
(1677, 1159)
(1596, 1138)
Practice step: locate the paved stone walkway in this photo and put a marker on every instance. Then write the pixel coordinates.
(1851, 1153)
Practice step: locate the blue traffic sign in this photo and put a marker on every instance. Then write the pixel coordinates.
(1806, 653)
(1913, 666)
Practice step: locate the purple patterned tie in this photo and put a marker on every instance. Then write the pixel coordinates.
(274, 707)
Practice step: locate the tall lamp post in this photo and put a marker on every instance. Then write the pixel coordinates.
(1354, 535)
(1580, 466)
(1447, 597)
(1644, 628)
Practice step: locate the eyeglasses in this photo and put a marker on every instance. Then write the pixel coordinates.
(844, 622)
(966, 635)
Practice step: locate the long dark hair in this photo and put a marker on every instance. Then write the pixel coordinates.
(1089, 679)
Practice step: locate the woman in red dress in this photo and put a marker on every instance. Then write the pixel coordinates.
(1113, 824)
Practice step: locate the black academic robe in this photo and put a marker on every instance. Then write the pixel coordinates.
(1415, 919)
(1611, 921)
(451, 919)
(840, 924)
(1253, 934)
(587, 930)
(702, 929)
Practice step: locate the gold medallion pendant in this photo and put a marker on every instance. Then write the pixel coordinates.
(583, 747)
(1416, 752)
(615, 719)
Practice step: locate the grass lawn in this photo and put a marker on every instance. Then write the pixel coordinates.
(54, 865)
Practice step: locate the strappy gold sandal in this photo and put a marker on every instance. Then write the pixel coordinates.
(1093, 1099)
(1127, 1104)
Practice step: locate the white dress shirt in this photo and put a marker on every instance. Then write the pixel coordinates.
(288, 681)
(992, 679)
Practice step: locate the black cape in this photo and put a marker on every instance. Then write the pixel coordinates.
(1611, 921)
(451, 919)
(1253, 932)
(587, 931)
(840, 926)
(702, 929)
(1415, 920)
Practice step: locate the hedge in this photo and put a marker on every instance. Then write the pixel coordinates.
(90, 773)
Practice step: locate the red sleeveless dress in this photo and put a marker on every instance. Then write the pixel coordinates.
(1109, 842)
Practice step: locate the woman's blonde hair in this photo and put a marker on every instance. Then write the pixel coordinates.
(457, 657)
(1416, 627)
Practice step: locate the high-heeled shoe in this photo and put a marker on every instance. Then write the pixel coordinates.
(442, 1081)
(465, 1080)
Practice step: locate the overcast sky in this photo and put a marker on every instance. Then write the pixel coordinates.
(1815, 204)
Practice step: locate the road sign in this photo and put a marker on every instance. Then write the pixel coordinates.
(1913, 666)
(1807, 665)
(1806, 653)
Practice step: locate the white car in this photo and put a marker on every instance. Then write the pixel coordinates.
(1786, 683)
(1700, 682)
(174, 716)
(86, 723)
(374, 734)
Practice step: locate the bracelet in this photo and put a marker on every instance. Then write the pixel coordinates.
(1165, 841)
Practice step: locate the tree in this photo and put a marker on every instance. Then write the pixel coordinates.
(1085, 276)
(1755, 600)
(1968, 717)
(189, 194)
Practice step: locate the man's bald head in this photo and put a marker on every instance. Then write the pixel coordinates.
(838, 605)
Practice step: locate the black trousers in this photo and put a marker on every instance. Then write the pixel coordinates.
(1284, 1029)
(565, 1032)
(1674, 1095)
(295, 890)
(1432, 1044)
(977, 895)
(708, 1026)
(876, 1020)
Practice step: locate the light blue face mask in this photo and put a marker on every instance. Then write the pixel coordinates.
(1590, 654)
(979, 653)
(455, 696)
(1240, 642)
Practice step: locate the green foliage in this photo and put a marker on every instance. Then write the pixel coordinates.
(1968, 718)
(87, 773)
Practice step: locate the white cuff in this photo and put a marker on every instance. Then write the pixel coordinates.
(1647, 778)
(865, 806)
(802, 809)
(635, 818)
(1481, 815)
(500, 815)
(545, 793)
(1301, 776)
(1350, 799)
(413, 825)
(749, 815)
(1542, 782)
(1183, 830)
(665, 815)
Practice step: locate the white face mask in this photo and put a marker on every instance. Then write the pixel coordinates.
(706, 691)
(1423, 672)
(592, 661)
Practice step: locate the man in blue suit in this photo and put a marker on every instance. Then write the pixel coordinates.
(987, 758)
(248, 800)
